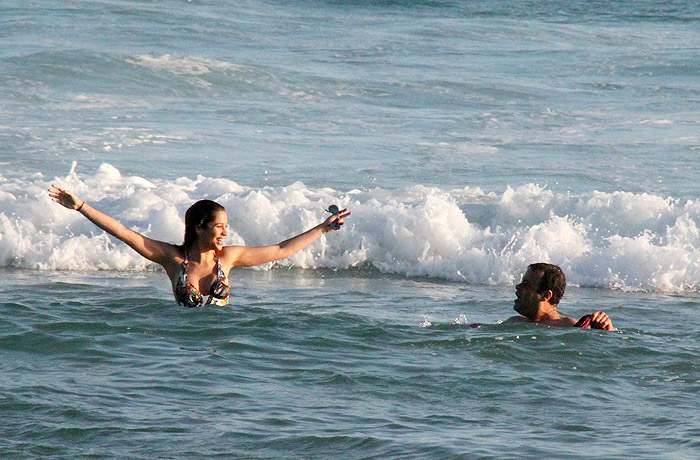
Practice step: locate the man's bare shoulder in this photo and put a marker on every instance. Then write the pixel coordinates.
(516, 319)
(562, 321)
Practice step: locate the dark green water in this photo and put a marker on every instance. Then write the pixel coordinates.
(337, 365)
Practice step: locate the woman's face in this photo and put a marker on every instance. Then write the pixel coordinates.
(214, 233)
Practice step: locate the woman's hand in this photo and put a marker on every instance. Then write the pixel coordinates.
(335, 221)
(65, 198)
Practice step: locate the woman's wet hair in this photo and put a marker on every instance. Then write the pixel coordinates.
(199, 215)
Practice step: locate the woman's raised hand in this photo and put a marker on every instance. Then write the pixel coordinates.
(65, 198)
(336, 220)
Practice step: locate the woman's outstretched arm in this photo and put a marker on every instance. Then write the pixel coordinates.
(156, 251)
(246, 256)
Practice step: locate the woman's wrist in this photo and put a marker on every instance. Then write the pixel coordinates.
(327, 227)
(79, 208)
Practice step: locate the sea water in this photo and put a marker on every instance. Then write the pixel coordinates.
(468, 139)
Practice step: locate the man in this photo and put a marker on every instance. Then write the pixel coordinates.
(538, 296)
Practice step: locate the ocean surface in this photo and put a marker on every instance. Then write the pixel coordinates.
(468, 138)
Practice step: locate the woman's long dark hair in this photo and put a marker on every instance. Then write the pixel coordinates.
(199, 215)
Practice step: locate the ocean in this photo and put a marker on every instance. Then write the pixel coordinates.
(468, 138)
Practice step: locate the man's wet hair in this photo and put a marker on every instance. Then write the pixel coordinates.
(553, 279)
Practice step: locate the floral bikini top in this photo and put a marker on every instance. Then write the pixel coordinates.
(188, 295)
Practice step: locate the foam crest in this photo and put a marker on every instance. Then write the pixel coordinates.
(197, 71)
(616, 240)
(186, 65)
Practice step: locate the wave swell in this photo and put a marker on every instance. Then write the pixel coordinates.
(616, 240)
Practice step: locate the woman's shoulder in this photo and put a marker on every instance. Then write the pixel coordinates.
(229, 254)
(174, 255)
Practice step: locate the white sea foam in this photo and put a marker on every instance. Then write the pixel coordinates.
(100, 102)
(656, 122)
(461, 148)
(191, 67)
(185, 65)
(120, 139)
(617, 240)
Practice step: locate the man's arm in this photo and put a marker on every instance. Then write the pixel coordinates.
(599, 320)
(596, 320)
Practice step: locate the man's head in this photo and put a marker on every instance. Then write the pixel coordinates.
(540, 290)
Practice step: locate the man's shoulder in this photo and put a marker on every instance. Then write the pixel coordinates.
(516, 319)
(565, 321)
(562, 321)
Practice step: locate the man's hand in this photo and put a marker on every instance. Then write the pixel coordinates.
(599, 320)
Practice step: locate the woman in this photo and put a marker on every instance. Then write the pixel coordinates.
(198, 269)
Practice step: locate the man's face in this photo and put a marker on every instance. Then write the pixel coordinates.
(527, 298)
